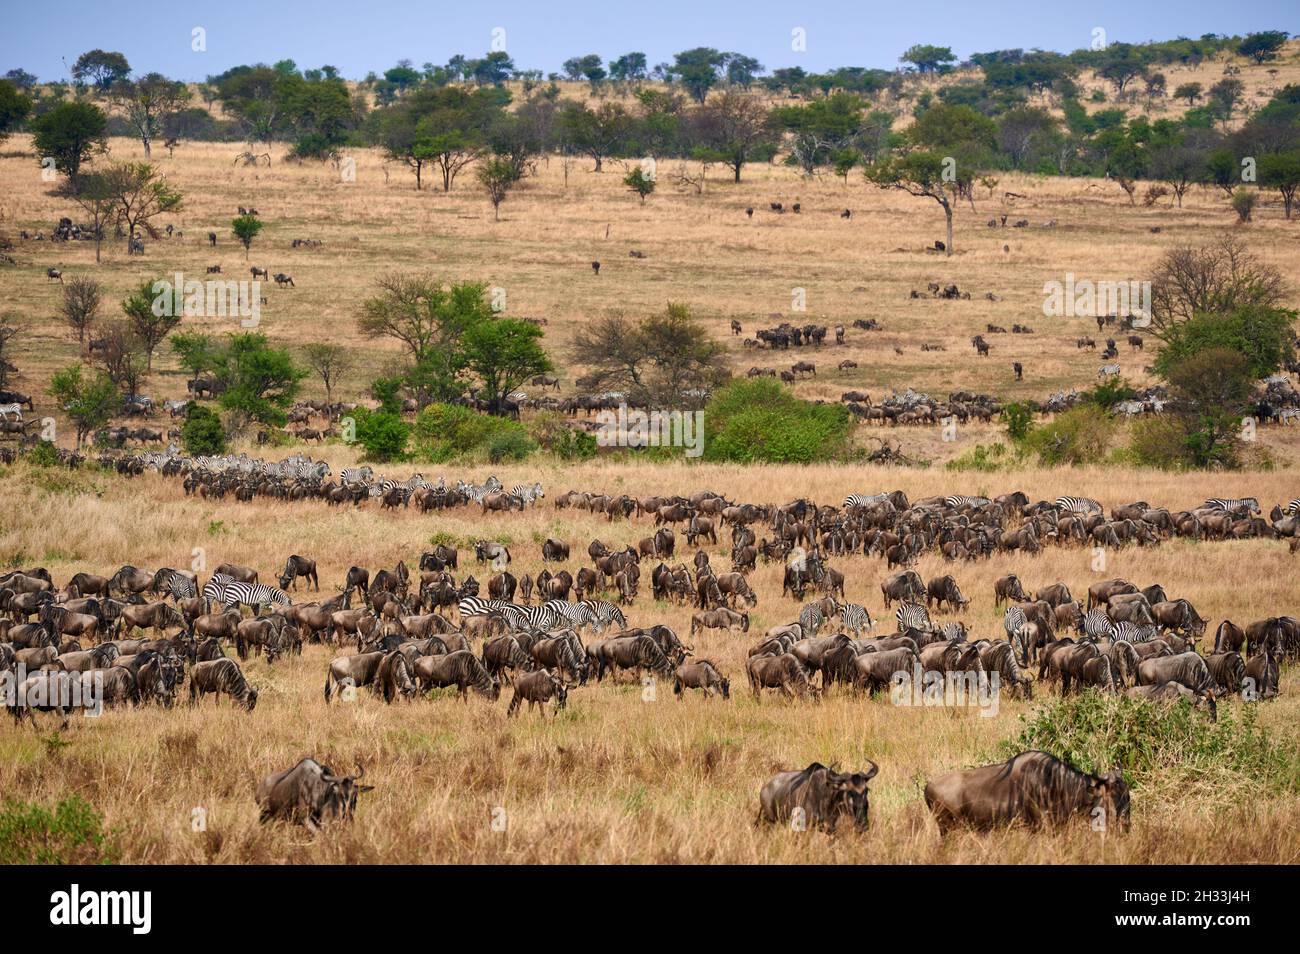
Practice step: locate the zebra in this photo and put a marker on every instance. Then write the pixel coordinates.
(913, 616)
(181, 587)
(953, 632)
(1014, 621)
(855, 618)
(253, 595)
(1095, 624)
(1231, 503)
(812, 616)
(605, 613)
(478, 606)
(863, 500)
(1108, 370)
(528, 493)
(1079, 505)
(576, 615)
(956, 502)
(1293, 507)
(15, 409)
(356, 475)
(1132, 633)
(214, 591)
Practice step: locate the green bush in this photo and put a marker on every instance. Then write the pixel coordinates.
(202, 432)
(44, 454)
(71, 834)
(1109, 393)
(984, 458)
(1081, 435)
(759, 421)
(445, 432)
(551, 432)
(383, 434)
(1019, 419)
(1167, 749)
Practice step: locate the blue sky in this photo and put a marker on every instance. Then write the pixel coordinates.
(361, 36)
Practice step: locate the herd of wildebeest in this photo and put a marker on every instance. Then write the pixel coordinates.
(142, 637)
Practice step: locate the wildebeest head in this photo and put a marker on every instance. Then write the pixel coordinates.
(340, 796)
(851, 793)
(1111, 795)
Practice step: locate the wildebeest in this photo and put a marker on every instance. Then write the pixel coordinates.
(720, 618)
(298, 566)
(701, 674)
(1187, 669)
(1034, 787)
(221, 676)
(816, 797)
(783, 672)
(1173, 692)
(461, 669)
(309, 793)
(538, 688)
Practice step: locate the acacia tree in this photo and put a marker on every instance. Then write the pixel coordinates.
(122, 358)
(141, 193)
(1281, 171)
(245, 228)
(503, 353)
(94, 194)
(734, 125)
(80, 304)
(330, 362)
(922, 174)
(497, 176)
(147, 102)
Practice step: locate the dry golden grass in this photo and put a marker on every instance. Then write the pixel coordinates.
(613, 778)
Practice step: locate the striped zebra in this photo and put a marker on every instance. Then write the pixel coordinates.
(180, 586)
(863, 500)
(1108, 371)
(913, 616)
(1095, 624)
(605, 613)
(1078, 505)
(1014, 621)
(953, 632)
(479, 606)
(1293, 507)
(812, 616)
(214, 591)
(957, 501)
(575, 615)
(528, 493)
(253, 595)
(356, 475)
(1232, 503)
(1132, 633)
(855, 618)
(15, 409)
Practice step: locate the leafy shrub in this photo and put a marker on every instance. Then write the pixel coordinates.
(444, 432)
(202, 432)
(553, 435)
(1171, 751)
(382, 433)
(1243, 203)
(71, 834)
(759, 421)
(1110, 392)
(44, 454)
(1082, 435)
(1019, 419)
(984, 458)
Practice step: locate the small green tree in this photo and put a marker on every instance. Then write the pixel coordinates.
(504, 353)
(1019, 420)
(1281, 171)
(1243, 203)
(640, 183)
(151, 318)
(14, 107)
(141, 193)
(246, 228)
(202, 432)
(497, 176)
(383, 434)
(1211, 390)
(197, 352)
(89, 402)
(70, 134)
(261, 381)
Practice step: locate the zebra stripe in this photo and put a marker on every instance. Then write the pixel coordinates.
(913, 616)
(956, 502)
(863, 500)
(605, 613)
(1108, 370)
(528, 493)
(811, 618)
(1231, 503)
(1132, 633)
(1014, 621)
(1095, 624)
(1293, 507)
(1078, 505)
(253, 595)
(855, 618)
(356, 475)
(575, 615)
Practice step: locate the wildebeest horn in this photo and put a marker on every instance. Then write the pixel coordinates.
(874, 769)
(361, 771)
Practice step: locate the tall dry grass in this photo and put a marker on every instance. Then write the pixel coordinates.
(615, 778)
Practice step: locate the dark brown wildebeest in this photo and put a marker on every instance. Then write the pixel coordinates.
(1174, 692)
(1187, 669)
(308, 794)
(1101, 593)
(1229, 637)
(503, 655)
(1227, 673)
(220, 625)
(129, 580)
(87, 584)
(298, 566)
(816, 797)
(1033, 787)
(783, 672)
(352, 671)
(554, 551)
(999, 657)
(157, 616)
(537, 689)
(1262, 673)
(461, 669)
(46, 691)
(701, 674)
(1054, 594)
(944, 589)
(632, 652)
(241, 574)
(1008, 588)
(734, 586)
(393, 677)
(221, 676)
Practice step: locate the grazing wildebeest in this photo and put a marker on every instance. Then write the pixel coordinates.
(461, 669)
(221, 676)
(298, 566)
(1033, 787)
(701, 674)
(1188, 669)
(1173, 692)
(720, 618)
(309, 793)
(783, 672)
(816, 797)
(538, 688)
